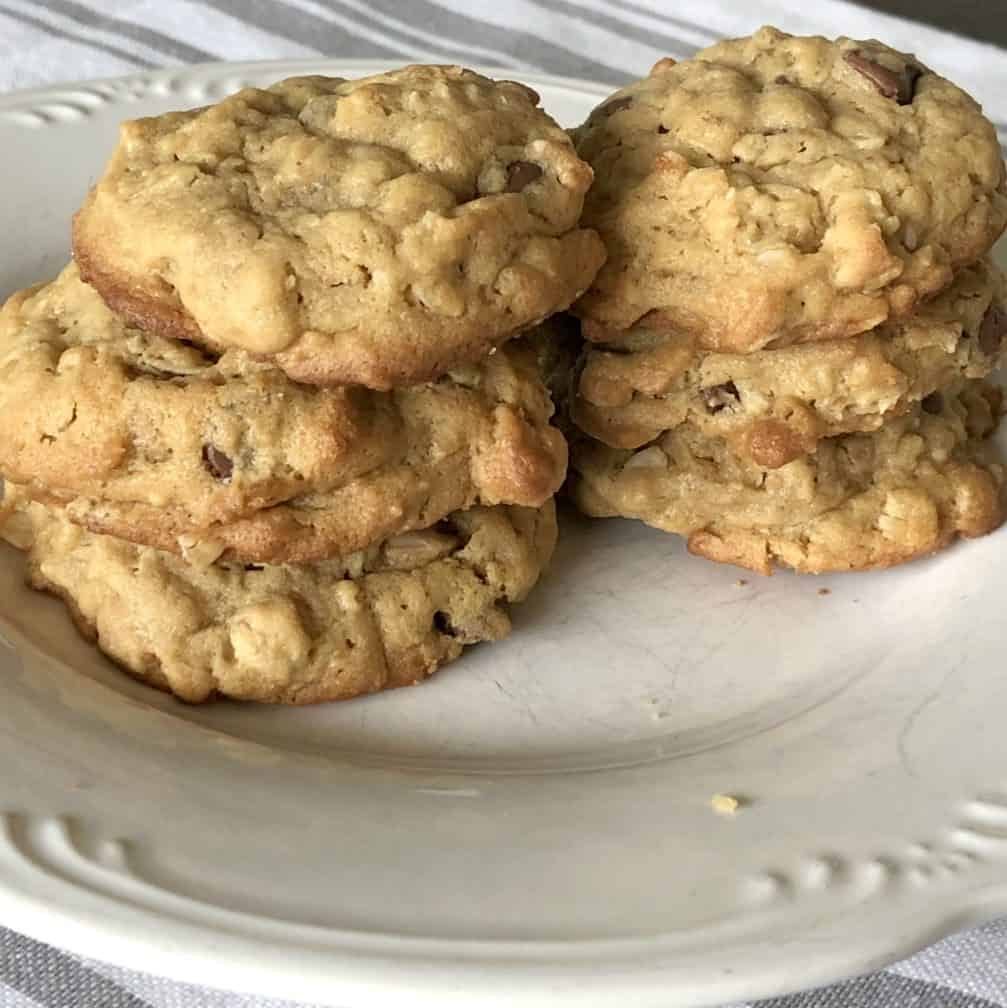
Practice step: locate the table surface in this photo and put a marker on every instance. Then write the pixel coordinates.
(611, 40)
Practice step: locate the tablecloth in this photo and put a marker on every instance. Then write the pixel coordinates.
(605, 40)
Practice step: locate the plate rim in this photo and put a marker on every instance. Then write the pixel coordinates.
(30, 96)
(431, 973)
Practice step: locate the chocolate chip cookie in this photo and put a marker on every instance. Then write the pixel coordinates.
(775, 405)
(779, 189)
(386, 617)
(378, 231)
(153, 440)
(861, 501)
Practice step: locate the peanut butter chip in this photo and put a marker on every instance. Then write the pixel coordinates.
(889, 83)
(520, 174)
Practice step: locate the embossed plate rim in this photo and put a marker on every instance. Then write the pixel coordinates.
(173, 80)
(66, 878)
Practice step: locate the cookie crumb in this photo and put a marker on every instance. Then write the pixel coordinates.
(724, 804)
(824, 591)
(741, 583)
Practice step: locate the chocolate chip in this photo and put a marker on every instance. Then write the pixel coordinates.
(910, 76)
(615, 105)
(661, 128)
(254, 567)
(442, 624)
(219, 465)
(520, 174)
(907, 83)
(933, 403)
(992, 331)
(781, 79)
(718, 397)
(889, 83)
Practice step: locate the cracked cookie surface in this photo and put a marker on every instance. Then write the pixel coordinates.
(777, 189)
(149, 439)
(775, 405)
(377, 231)
(386, 617)
(861, 501)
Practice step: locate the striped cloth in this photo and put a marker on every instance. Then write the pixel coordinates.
(47, 41)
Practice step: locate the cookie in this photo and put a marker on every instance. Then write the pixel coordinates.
(775, 405)
(780, 189)
(152, 440)
(285, 634)
(378, 231)
(861, 501)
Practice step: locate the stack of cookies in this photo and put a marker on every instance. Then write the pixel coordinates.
(282, 431)
(269, 435)
(785, 351)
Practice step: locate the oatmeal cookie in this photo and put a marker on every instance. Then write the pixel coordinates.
(377, 231)
(777, 189)
(775, 405)
(152, 440)
(862, 500)
(386, 617)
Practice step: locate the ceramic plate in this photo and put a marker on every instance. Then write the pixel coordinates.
(534, 825)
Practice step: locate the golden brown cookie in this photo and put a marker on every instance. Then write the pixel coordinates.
(861, 501)
(387, 617)
(777, 189)
(152, 440)
(775, 405)
(378, 231)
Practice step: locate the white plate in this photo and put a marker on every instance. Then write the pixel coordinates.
(535, 822)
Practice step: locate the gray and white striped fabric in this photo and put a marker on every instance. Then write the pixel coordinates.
(47, 41)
